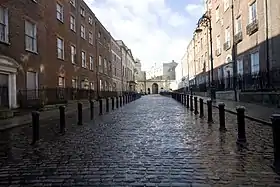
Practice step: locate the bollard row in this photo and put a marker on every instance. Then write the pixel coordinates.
(118, 102)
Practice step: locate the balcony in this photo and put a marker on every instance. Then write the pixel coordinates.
(238, 37)
(252, 27)
(227, 45)
(218, 52)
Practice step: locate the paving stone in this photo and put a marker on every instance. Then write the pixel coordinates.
(154, 141)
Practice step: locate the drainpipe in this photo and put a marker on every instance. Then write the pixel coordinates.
(267, 45)
(234, 52)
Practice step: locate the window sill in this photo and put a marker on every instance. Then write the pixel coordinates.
(5, 42)
(61, 21)
(60, 58)
(30, 51)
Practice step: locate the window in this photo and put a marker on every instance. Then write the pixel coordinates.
(99, 60)
(83, 12)
(35, 1)
(99, 34)
(106, 86)
(59, 12)
(61, 82)
(74, 83)
(83, 32)
(30, 36)
(240, 66)
(253, 12)
(84, 65)
(91, 85)
(73, 3)
(217, 13)
(72, 23)
(100, 84)
(255, 66)
(110, 66)
(90, 20)
(60, 48)
(105, 65)
(218, 42)
(73, 54)
(226, 4)
(4, 24)
(238, 25)
(91, 63)
(227, 35)
(90, 38)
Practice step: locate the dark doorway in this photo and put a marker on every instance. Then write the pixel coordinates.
(4, 97)
(155, 88)
(149, 91)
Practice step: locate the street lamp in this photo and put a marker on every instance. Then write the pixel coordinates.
(206, 22)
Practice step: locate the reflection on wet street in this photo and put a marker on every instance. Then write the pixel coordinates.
(153, 141)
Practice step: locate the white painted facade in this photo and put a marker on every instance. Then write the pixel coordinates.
(9, 67)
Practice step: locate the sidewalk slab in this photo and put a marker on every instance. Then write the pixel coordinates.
(254, 112)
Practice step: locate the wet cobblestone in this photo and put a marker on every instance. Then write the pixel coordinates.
(153, 141)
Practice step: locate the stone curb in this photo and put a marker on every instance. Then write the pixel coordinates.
(15, 125)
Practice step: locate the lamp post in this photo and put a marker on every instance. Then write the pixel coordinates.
(206, 22)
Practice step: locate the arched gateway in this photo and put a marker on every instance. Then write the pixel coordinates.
(155, 88)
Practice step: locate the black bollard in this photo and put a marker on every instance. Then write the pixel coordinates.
(120, 101)
(123, 100)
(117, 102)
(100, 107)
(91, 109)
(195, 106)
(188, 101)
(107, 104)
(191, 103)
(209, 107)
(80, 114)
(113, 103)
(222, 117)
(275, 118)
(201, 108)
(62, 119)
(185, 100)
(241, 125)
(35, 126)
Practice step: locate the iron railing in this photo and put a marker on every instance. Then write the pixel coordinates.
(49, 96)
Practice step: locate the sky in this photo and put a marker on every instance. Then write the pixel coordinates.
(156, 31)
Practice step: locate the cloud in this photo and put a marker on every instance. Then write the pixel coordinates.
(152, 30)
(195, 10)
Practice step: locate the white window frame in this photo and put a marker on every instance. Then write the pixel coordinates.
(255, 62)
(218, 41)
(60, 49)
(84, 59)
(91, 85)
(83, 31)
(4, 25)
(90, 20)
(73, 23)
(61, 80)
(226, 5)
(227, 34)
(73, 3)
(238, 27)
(91, 63)
(252, 17)
(74, 83)
(59, 11)
(100, 60)
(105, 65)
(30, 37)
(100, 85)
(217, 13)
(83, 12)
(240, 68)
(73, 52)
(90, 37)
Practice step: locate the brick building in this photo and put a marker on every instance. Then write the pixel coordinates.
(116, 66)
(244, 32)
(51, 44)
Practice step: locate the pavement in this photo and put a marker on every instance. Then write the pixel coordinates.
(153, 141)
(52, 113)
(256, 112)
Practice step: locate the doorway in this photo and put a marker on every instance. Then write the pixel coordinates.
(155, 88)
(4, 91)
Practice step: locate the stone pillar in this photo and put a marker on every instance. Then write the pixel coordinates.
(12, 90)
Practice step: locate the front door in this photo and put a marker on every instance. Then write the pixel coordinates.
(4, 91)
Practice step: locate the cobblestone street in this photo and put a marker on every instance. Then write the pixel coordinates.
(153, 141)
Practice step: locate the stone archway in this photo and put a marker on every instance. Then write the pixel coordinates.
(8, 71)
(154, 88)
